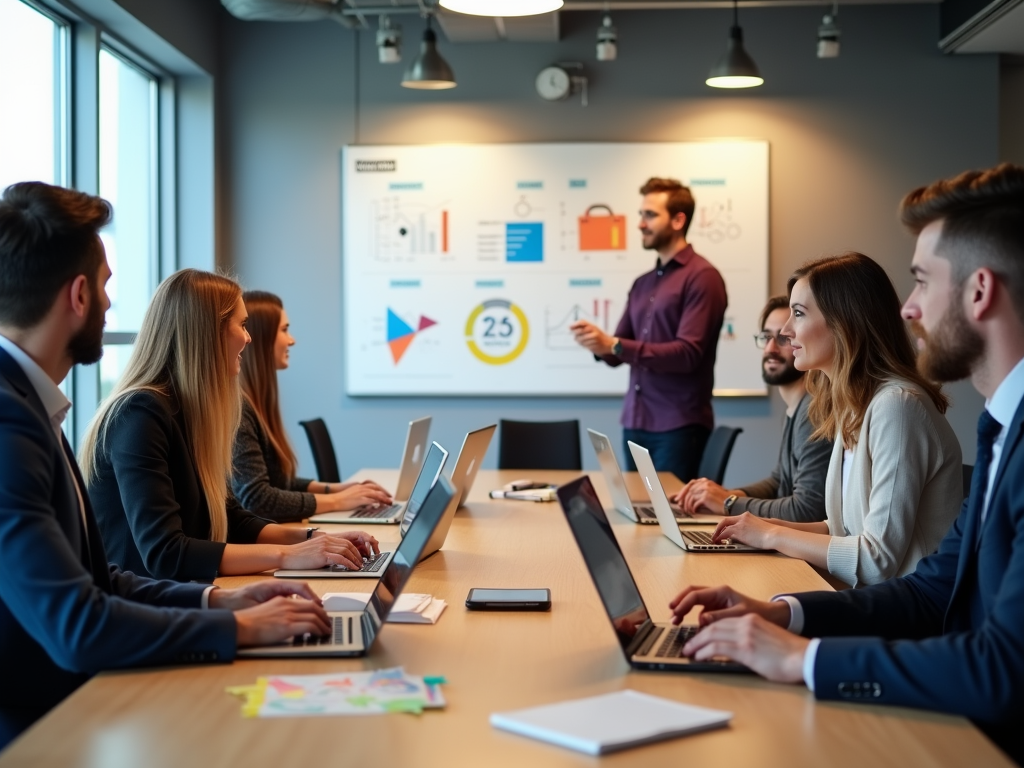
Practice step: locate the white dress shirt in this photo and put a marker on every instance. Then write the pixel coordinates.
(1001, 406)
(57, 406)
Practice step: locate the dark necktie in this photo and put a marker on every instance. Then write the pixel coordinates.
(988, 431)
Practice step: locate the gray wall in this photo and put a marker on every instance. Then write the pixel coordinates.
(1011, 109)
(848, 138)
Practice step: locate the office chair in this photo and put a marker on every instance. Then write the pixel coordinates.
(323, 451)
(717, 452)
(967, 473)
(539, 445)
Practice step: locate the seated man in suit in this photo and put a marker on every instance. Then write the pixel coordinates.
(64, 613)
(950, 635)
(795, 490)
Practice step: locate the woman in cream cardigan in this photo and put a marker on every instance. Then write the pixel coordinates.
(894, 484)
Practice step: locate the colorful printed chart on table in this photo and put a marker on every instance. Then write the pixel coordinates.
(465, 265)
(352, 693)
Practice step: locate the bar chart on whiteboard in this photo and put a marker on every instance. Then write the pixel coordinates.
(466, 265)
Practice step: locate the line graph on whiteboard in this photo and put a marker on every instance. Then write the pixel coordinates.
(403, 229)
(557, 320)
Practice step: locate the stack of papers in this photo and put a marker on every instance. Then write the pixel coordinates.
(409, 608)
(611, 722)
(344, 693)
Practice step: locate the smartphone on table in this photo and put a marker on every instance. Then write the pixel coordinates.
(509, 600)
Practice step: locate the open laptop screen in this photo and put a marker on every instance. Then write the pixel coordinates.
(604, 559)
(392, 582)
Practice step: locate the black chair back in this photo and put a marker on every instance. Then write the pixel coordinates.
(717, 452)
(323, 451)
(539, 445)
(967, 473)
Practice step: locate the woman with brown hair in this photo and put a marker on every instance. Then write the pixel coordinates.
(264, 463)
(894, 483)
(157, 456)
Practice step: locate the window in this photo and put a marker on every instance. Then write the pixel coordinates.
(128, 163)
(33, 93)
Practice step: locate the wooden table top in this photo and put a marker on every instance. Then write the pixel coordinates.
(494, 661)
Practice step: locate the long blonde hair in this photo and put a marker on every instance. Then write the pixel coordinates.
(259, 373)
(872, 344)
(181, 351)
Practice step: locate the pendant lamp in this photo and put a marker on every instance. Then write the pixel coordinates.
(735, 69)
(502, 7)
(429, 71)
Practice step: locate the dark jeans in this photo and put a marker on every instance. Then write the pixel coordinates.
(678, 451)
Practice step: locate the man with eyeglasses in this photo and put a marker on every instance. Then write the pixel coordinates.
(795, 490)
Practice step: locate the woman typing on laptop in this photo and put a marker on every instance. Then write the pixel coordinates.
(157, 456)
(264, 463)
(894, 483)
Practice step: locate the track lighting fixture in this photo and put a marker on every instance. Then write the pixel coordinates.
(828, 35)
(389, 42)
(607, 40)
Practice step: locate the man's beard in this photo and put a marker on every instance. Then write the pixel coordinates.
(86, 346)
(951, 350)
(658, 241)
(785, 375)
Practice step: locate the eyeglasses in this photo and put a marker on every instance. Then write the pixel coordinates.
(762, 339)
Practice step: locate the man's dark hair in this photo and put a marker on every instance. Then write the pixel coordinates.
(680, 199)
(48, 236)
(982, 214)
(775, 302)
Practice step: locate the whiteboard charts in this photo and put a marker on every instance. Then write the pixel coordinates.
(464, 265)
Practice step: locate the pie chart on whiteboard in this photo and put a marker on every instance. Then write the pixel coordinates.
(401, 333)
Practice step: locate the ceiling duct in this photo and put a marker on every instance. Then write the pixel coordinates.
(289, 10)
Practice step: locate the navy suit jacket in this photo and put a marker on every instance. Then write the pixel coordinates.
(950, 636)
(65, 614)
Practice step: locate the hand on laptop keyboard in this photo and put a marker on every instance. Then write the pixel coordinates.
(345, 549)
(357, 495)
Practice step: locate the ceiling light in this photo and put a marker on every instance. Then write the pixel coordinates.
(429, 71)
(389, 42)
(502, 7)
(607, 40)
(735, 69)
(828, 35)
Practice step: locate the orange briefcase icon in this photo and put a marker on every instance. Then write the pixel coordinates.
(602, 233)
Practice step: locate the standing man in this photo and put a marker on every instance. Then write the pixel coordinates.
(795, 490)
(669, 337)
(64, 613)
(949, 636)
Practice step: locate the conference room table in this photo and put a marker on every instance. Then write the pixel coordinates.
(499, 661)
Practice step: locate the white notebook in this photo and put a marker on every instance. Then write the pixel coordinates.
(610, 722)
(409, 608)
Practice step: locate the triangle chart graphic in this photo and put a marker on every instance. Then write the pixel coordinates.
(397, 327)
(425, 322)
(399, 345)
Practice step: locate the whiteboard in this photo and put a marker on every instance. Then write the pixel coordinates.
(465, 264)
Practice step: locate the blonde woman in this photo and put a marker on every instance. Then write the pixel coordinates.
(157, 456)
(264, 477)
(894, 484)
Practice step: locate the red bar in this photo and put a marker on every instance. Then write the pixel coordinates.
(444, 231)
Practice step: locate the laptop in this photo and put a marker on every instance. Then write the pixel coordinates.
(474, 446)
(374, 566)
(646, 645)
(412, 463)
(355, 631)
(690, 540)
(638, 512)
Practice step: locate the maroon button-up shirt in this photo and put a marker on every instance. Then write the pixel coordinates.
(669, 334)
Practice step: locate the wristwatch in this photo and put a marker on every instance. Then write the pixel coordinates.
(729, 501)
(617, 348)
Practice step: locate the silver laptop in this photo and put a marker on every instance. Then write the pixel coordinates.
(412, 462)
(638, 512)
(645, 644)
(374, 566)
(354, 632)
(472, 454)
(690, 540)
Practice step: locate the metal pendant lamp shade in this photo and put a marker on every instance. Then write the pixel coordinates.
(502, 7)
(735, 69)
(429, 71)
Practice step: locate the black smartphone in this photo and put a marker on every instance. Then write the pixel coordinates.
(509, 600)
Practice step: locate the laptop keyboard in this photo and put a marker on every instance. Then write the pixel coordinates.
(370, 564)
(647, 510)
(703, 540)
(675, 639)
(376, 512)
(343, 628)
